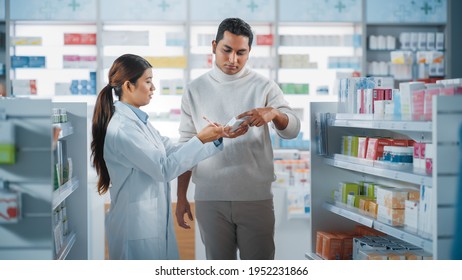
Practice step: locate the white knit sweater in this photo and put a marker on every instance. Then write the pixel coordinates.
(244, 171)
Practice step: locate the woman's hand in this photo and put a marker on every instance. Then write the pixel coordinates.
(212, 132)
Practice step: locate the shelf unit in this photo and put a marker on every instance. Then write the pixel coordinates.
(396, 17)
(32, 237)
(328, 170)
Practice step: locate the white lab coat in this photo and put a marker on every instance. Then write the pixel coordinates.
(141, 163)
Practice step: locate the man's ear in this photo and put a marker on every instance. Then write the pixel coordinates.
(214, 46)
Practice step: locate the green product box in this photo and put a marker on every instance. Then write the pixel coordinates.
(301, 88)
(348, 188)
(7, 154)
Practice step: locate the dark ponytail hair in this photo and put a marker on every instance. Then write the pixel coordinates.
(128, 67)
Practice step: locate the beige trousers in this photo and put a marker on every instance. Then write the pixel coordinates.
(228, 226)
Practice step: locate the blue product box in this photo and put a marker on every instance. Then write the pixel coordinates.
(74, 83)
(36, 61)
(83, 83)
(84, 91)
(93, 76)
(74, 90)
(19, 61)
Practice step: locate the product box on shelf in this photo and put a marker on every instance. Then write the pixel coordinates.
(24, 87)
(26, 41)
(407, 90)
(10, 206)
(411, 214)
(391, 197)
(7, 143)
(79, 38)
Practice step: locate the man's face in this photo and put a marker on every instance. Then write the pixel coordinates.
(231, 53)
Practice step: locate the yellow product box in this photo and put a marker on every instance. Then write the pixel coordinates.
(371, 209)
(390, 216)
(364, 203)
(391, 197)
(167, 61)
(26, 41)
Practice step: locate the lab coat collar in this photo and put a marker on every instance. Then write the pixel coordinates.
(148, 129)
(139, 113)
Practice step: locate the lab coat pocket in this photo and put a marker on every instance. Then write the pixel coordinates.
(143, 220)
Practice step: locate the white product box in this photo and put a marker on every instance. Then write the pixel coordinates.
(125, 38)
(406, 90)
(425, 225)
(390, 216)
(391, 197)
(411, 215)
(10, 207)
(62, 88)
(422, 41)
(439, 45)
(430, 41)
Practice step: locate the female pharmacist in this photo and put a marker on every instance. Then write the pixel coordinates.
(135, 163)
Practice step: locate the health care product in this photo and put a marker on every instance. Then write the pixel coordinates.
(7, 143)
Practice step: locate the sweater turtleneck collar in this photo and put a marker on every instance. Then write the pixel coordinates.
(220, 76)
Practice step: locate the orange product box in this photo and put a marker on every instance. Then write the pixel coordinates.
(347, 245)
(331, 247)
(319, 240)
(371, 209)
(364, 203)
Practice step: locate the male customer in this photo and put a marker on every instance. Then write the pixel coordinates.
(234, 203)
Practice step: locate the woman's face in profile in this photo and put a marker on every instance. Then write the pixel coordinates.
(143, 90)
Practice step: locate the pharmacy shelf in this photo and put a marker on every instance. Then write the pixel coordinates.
(66, 129)
(368, 121)
(398, 232)
(64, 191)
(349, 213)
(379, 169)
(67, 246)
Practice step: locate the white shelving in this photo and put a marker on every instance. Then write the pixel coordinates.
(368, 121)
(378, 169)
(32, 237)
(355, 215)
(327, 172)
(64, 191)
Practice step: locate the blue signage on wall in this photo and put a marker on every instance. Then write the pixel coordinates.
(248, 10)
(320, 10)
(144, 10)
(411, 11)
(79, 10)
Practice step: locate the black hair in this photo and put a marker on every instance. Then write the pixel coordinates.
(236, 26)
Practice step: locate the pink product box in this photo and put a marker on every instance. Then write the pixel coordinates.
(428, 102)
(452, 90)
(418, 105)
